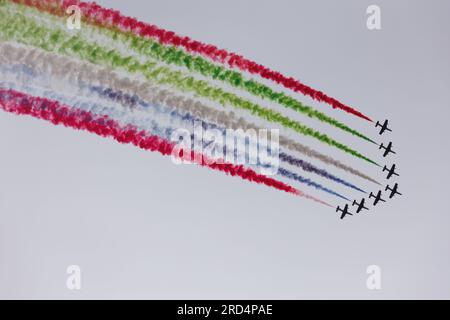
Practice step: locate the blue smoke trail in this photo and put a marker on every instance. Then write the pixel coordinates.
(133, 101)
(294, 176)
(311, 168)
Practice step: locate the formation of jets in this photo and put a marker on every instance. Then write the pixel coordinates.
(361, 205)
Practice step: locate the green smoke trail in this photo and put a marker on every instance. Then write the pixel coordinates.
(179, 57)
(25, 30)
(173, 55)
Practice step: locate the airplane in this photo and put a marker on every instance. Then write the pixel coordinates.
(393, 190)
(383, 126)
(344, 211)
(360, 205)
(391, 171)
(387, 149)
(377, 197)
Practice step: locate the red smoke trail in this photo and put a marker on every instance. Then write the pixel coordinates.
(113, 19)
(23, 104)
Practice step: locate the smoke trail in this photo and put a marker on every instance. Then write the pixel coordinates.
(131, 108)
(133, 101)
(121, 115)
(75, 71)
(112, 19)
(311, 168)
(27, 32)
(294, 176)
(172, 55)
(142, 120)
(19, 103)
